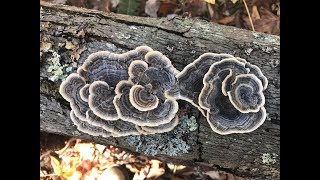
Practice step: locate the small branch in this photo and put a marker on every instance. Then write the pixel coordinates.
(245, 4)
(49, 175)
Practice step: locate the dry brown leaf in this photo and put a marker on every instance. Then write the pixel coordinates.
(102, 5)
(155, 170)
(255, 14)
(268, 22)
(196, 8)
(226, 20)
(85, 166)
(216, 175)
(211, 10)
(276, 7)
(152, 7)
(167, 7)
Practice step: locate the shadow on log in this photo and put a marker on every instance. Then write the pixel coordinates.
(68, 35)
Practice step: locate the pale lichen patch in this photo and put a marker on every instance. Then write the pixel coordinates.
(268, 158)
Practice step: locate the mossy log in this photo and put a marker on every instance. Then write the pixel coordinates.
(70, 34)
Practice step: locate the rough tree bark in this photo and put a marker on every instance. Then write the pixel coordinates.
(74, 33)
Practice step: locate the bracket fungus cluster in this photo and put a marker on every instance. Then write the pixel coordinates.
(227, 90)
(136, 93)
(122, 94)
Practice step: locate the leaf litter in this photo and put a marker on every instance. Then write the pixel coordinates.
(84, 160)
(265, 14)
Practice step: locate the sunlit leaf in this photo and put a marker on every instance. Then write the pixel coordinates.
(55, 165)
(210, 1)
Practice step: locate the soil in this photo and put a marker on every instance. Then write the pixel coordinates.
(51, 142)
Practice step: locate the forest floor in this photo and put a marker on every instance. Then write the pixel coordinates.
(63, 157)
(256, 15)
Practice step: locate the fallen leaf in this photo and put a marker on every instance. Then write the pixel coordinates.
(211, 10)
(216, 175)
(75, 176)
(114, 173)
(196, 8)
(86, 151)
(210, 1)
(100, 148)
(268, 22)
(234, 1)
(101, 5)
(84, 167)
(55, 165)
(255, 14)
(155, 170)
(152, 7)
(167, 7)
(226, 20)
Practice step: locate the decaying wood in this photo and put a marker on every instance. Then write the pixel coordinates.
(74, 33)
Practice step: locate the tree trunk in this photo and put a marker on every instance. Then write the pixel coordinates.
(74, 33)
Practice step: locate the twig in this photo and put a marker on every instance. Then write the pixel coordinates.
(49, 175)
(245, 4)
(66, 146)
(45, 154)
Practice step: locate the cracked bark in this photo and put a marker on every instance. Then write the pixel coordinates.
(182, 41)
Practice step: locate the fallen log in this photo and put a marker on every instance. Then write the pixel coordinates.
(69, 34)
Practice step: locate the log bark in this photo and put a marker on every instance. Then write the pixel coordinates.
(74, 33)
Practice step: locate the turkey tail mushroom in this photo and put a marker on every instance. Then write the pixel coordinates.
(233, 98)
(136, 93)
